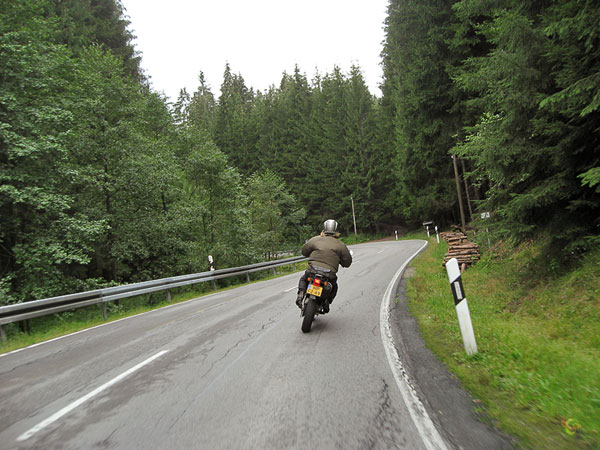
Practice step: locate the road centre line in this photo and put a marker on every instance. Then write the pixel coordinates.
(423, 423)
(67, 409)
(291, 289)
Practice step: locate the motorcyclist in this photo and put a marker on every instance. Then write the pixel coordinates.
(326, 251)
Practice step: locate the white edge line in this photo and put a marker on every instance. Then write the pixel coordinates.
(67, 409)
(291, 289)
(425, 427)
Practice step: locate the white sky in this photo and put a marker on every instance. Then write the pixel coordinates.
(259, 38)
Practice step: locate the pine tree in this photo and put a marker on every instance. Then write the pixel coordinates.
(201, 111)
(233, 131)
(420, 96)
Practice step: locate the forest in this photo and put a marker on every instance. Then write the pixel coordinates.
(103, 181)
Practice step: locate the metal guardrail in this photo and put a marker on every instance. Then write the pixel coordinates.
(46, 306)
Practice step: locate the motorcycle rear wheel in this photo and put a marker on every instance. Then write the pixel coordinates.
(309, 314)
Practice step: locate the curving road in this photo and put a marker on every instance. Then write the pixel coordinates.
(233, 370)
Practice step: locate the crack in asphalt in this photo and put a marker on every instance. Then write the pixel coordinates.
(385, 427)
(262, 329)
(238, 343)
(105, 443)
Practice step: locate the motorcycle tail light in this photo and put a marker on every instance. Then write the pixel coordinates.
(317, 282)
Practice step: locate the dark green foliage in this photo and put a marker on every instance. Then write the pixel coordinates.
(199, 110)
(42, 239)
(86, 22)
(511, 87)
(320, 138)
(420, 97)
(101, 183)
(573, 50)
(537, 136)
(275, 215)
(233, 133)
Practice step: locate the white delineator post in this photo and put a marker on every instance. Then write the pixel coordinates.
(212, 268)
(437, 234)
(462, 308)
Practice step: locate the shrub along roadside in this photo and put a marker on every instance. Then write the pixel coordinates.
(537, 372)
(56, 325)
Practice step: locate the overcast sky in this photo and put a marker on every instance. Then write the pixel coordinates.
(259, 38)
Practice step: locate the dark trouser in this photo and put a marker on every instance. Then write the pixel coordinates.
(303, 284)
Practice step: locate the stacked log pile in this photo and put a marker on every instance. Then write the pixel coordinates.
(465, 252)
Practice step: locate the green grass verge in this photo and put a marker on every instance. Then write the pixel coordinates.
(56, 325)
(537, 373)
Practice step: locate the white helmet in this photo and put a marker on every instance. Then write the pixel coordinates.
(330, 227)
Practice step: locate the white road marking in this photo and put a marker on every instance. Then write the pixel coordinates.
(291, 289)
(429, 434)
(67, 409)
(380, 251)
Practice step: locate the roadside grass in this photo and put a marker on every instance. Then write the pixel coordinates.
(56, 325)
(537, 372)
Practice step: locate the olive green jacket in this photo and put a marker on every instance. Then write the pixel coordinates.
(327, 252)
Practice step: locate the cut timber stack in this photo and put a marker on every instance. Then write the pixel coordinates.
(465, 252)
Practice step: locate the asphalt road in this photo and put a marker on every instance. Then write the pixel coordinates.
(234, 370)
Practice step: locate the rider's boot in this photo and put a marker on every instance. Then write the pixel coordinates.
(299, 299)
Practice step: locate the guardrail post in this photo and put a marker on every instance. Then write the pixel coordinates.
(274, 272)
(25, 326)
(214, 285)
(462, 308)
(294, 266)
(247, 277)
(104, 311)
(168, 295)
(3, 334)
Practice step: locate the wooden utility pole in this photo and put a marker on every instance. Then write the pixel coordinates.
(459, 193)
(353, 216)
(464, 171)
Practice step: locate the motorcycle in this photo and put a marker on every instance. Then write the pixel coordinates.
(316, 298)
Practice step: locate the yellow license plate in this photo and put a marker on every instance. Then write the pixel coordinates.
(315, 290)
